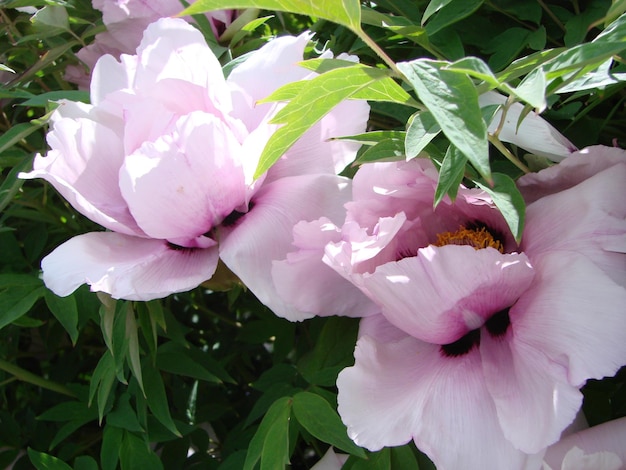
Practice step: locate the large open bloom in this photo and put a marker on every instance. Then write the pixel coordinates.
(164, 156)
(482, 345)
(126, 21)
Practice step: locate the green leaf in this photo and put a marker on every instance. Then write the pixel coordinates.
(615, 32)
(422, 128)
(275, 425)
(618, 7)
(380, 460)
(123, 415)
(16, 133)
(135, 454)
(373, 137)
(101, 382)
(332, 352)
(390, 150)
(156, 397)
(175, 360)
(433, 7)
(317, 97)
(474, 67)
(18, 293)
(589, 54)
(85, 462)
(317, 417)
(134, 361)
(453, 101)
(385, 89)
(65, 310)
(451, 13)
(111, 442)
(343, 12)
(43, 461)
(532, 90)
(509, 201)
(450, 174)
(45, 98)
(403, 457)
(52, 16)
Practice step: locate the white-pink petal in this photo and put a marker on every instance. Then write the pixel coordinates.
(185, 183)
(264, 234)
(126, 267)
(444, 292)
(573, 314)
(313, 288)
(407, 389)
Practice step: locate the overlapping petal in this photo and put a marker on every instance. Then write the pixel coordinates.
(126, 267)
(412, 392)
(431, 297)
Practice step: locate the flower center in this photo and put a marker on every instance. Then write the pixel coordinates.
(476, 237)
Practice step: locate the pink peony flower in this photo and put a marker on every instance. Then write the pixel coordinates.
(482, 345)
(126, 21)
(330, 461)
(164, 159)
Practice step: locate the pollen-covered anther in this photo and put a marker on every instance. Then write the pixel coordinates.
(478, 238)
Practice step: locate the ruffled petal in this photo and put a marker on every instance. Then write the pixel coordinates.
(178, 187)
(574, 314)
(264, 234)
(83, 165)
(573, 170)
(444, 292)
(534, 400)
(407, 389)
(304, 281)
(534, 134)
(173, 49)
(589, 219)
(126, 267)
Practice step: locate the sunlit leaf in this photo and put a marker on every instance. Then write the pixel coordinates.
(509, 201)
(422, 128)
(453, 101)
(344, 12)
(450, 174)
(317, 98)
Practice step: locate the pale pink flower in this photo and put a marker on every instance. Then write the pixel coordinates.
(164, 156)
(482, 345)
(126, 21)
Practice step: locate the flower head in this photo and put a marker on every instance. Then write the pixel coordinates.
(482, 344)
(164, 156)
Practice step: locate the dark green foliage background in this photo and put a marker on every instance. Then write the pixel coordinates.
(214, 370)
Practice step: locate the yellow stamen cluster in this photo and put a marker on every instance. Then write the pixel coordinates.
(478, 238)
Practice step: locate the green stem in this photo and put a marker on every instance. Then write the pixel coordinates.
(497, 143)
(377, 49)
(25, 376)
